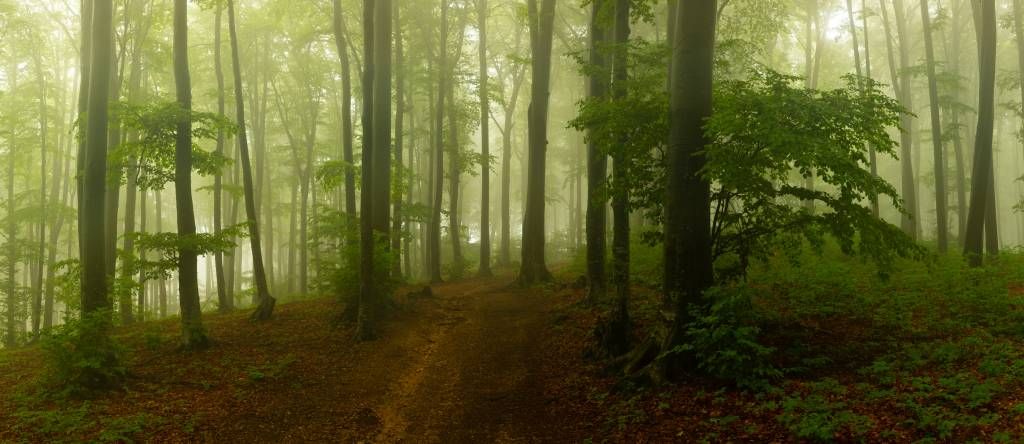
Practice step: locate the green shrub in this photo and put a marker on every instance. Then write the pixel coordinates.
(724, 340)
(81, 357)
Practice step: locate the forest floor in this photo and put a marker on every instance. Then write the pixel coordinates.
(471, 363)
(934, 353)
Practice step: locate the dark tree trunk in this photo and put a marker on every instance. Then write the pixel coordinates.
(485, 146)
(981, 179)
(518, 74)
(37, 281)
(911, 219)
(266, 302)
(534, 268)
(381, 117)
(597, 162)
(872, 159)
(92, 198)
(194, 336)
(688, 268)
(367, 291)
(454, 181)
(617, 339)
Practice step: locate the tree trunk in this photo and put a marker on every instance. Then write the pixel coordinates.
(367, 291)
(397, 217)
(597, 162)
(687, 248)
(224, 301)
(266, 302)
(346, 109)
(454, 182)
(11, 247)
(37, 282)
(872, 158)
(92, 198)
(911, 220)
(941, 214)
(381, 117)
(618, 338)
(434, 234)
(485, 146)
(194, 335)
(534, 268)
(981, 179)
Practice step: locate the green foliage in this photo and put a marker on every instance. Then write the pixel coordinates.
(725, 341)
(81, 357)
(152, 152)
(821, 415)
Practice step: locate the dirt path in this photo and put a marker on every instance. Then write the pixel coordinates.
(477, 379)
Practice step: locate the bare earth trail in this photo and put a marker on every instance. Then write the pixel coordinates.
(478, 376)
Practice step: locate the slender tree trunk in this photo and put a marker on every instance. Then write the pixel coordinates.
(688, 268)
(981, 179)
(901, 78)
(37, 282)
(162, 284)
(398, 217)
(11, 247)
(597, 162)
(454, 182)
(872, 159)
(941, 214)
(266, 302)
(346, 109)
(434, 235)
(534, 268)
(225, 303)
(485, 146)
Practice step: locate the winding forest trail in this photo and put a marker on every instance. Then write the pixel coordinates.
(471, 363)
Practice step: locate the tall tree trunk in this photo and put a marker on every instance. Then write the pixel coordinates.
(688, 268)
(958, 149)
(367, 291)
(872, 159)
(981, 179)
(225, 302)
(346, 109)
(485, 146)
(382, 43)
(597, 161)
(37, 281)
(434, 234)
(911, 219)
(194, 335)
(454, 182)
(162, 284)
(11, 247)
(266, 302)
(398, 217)
(534, 268)
(92, 223)
(618, 337)
(941, 214)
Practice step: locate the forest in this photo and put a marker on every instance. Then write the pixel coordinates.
(474, 221)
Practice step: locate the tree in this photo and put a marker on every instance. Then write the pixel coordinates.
(367, 279)
(346, 108)
(941, 197)
(266, 302)
(397, 235)
(981, 176)
(597, 162)
(225, 301)
(381, 118)
(910, 221)
(485, 146)
(534, 268)
(434, 229)
(93, 161)
(194, 335)
(687, 248)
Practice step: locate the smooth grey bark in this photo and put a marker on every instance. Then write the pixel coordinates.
(346, 108)
(434, 231)
(484, 269)
(901, 84)
(225, 300)
(941, 213)
(367, 279)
